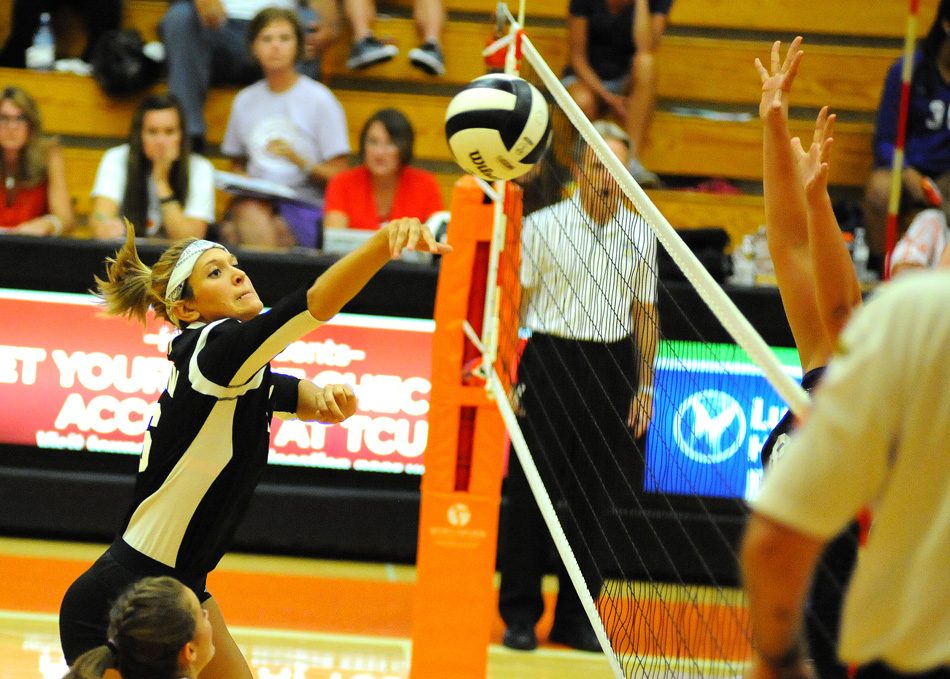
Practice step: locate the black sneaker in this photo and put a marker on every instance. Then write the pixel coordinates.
(582, 638)
(368, 52)
(520, 638)
(428, 58)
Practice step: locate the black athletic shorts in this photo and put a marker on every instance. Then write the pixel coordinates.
(84, 613)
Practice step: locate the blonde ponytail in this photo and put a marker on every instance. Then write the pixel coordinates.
(92, 664)
(132, 288)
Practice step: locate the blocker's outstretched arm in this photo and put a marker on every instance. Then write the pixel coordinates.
(837, 289)
(812, 266)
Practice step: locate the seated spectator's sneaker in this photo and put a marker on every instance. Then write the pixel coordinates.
(369, 51)
(428, 58)
(645, 178)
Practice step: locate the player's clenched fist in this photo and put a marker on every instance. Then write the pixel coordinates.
(335, 403)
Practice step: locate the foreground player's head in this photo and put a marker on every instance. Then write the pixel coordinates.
(218, 288)
(157, 629)
(193, 280)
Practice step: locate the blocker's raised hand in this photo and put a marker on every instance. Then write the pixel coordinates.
(777, 84)
(813, 163)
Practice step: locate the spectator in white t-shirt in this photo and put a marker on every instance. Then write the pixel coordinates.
(147, 181)
(286, 128)
(205, 42)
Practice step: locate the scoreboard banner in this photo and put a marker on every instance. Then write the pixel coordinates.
(72, 378)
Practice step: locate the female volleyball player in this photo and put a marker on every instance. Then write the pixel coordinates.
(207, 440)
(157, 630)
(819, 290)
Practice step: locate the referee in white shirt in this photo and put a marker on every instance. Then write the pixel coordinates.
(877, 436)
(589, 285)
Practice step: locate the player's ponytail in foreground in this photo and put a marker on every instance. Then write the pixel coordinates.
(132, 288)
(148, 626)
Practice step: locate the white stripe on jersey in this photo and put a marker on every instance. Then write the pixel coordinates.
(203, 385)
(157, 528)
(298, 326)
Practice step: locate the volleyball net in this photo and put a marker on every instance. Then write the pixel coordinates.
(621, 326)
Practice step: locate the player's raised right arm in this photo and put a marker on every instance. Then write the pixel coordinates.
(342, 281)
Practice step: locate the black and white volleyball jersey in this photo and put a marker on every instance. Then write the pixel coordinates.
(207, 442)
(783, 430)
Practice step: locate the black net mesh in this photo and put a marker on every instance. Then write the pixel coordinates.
(612, 337)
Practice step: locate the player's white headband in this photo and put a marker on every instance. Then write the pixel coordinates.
(184, 268)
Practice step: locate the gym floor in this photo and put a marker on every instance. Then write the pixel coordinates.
(293, 618)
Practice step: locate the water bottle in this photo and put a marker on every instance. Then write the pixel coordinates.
(764, 268)
(41, 55)
(859, 254)
(743, 262)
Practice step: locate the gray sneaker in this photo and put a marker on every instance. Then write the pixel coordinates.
(428, 58)
(368, 52)
(643, 177)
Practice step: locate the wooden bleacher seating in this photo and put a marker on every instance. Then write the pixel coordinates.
(877, 18)
(687, 145)
(721, 70)
(698, 65)
(880, 18)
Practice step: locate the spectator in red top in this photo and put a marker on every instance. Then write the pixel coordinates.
(384, 186)
(34, 198)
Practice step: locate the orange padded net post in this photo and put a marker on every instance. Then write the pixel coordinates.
(461, 489)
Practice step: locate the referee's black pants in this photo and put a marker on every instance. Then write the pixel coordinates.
(880, 670)
(576, 399)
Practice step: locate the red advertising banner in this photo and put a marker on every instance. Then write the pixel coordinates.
(72, 378)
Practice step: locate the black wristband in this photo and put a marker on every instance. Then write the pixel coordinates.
(169, 199)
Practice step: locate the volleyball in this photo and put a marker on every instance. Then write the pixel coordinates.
(498, 127)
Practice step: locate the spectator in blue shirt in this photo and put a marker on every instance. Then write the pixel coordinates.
(927, 141)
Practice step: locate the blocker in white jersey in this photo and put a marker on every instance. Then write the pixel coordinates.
(207, 441)
(877, 436)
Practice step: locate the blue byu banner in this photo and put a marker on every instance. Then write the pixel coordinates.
(711, 418)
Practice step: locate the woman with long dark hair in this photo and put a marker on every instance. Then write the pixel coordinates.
(927, 144)
(149, 182)
(34, 198)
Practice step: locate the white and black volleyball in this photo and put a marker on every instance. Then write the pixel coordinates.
(498, 127)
